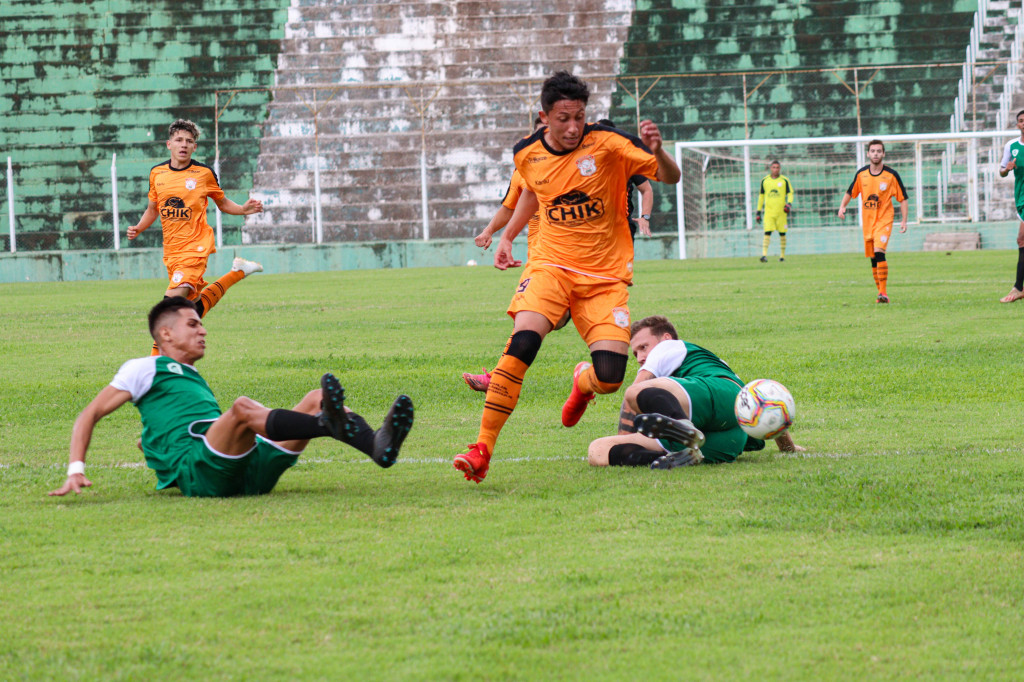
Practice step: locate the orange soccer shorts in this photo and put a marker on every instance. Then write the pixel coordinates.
(187, 271)
(600, 308)
(878, 240)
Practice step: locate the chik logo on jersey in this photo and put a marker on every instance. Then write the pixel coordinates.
(175, 209)
(587, 165)
(574, 208)
(871, 201)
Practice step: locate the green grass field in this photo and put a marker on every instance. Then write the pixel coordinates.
(892, 549)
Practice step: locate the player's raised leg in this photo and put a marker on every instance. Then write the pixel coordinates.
(240, 269)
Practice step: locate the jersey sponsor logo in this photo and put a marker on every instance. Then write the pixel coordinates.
(190, 183)
(536, 159)
(522, 285)
(587, 165)
(174, 368)
(574, 208)
(542, 181)
(871, 201)
(621, 317)
(175, 209)
(773, 193)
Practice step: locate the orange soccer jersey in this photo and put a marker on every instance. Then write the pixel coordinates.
(877, 193)
(181, 197)
(511, 200)
(584, 224)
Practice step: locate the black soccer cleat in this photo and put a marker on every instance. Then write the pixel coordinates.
(679, 430)
(687, 457)
(764, 259)
(388, 438)
(332, 406)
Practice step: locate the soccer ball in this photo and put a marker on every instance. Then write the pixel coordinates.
(471, 262)
(764, 409)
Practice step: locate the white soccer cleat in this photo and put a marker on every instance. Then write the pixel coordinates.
(246, 266)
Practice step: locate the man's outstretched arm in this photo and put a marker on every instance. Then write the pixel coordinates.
(108, 400)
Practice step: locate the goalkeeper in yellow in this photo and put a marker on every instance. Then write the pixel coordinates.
(775, 199)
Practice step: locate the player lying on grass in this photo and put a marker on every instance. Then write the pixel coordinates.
(178, 193)
(192, 446)
(679, 409)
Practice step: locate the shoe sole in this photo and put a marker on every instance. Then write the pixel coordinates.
(684, 458)
(332, 404)
(659, 426)
(474, 383)
(389, 437)
(466, 467)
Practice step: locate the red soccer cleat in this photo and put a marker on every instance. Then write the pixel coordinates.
(576, 405)
(478, 382)
(474, 464)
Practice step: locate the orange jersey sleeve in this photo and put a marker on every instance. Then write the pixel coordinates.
(584, 224)
(511, 200)
(181, 199)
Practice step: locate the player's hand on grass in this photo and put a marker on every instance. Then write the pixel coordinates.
(75, 483)
(503, 259)
(252, 206)
(650, 135)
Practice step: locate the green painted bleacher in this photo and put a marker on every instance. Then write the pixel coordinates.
(80, 81)
(711, 42)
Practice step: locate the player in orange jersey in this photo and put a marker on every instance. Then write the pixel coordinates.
(576, 174)
(178, 192)
(878, 185)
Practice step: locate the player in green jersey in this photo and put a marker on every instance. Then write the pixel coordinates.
(1011, 153)
(679, 409)
(192, 446)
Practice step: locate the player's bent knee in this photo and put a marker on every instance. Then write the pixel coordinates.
(609, 369)
(597, 453)
(524, 346)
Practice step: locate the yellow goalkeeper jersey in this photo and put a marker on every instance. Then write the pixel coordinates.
(775, 193)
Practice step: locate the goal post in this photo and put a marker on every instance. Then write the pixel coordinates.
(949, 177)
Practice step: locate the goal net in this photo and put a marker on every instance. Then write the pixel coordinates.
(948, 177)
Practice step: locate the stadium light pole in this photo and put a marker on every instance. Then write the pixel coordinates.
(10, 202)
(113, 199)
(681, 212)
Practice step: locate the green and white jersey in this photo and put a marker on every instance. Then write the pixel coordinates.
(1015, 150)
(170, 396)
(673, 358)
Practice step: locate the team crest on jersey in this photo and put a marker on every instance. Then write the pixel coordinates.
(177, 276)
(190, 183)
(882, 186)
(884, 238)
(779, 183)
(175, 368)
(1014, 152)
(574, 208)
(621, 317)
(587, 165)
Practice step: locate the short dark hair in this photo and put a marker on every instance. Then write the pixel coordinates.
(562, 85)
(169, 305)
(775, 163)
(658, 324)
(537, 122)
(186, 125)
(874, 142)
(1018, 114)
(606, 122)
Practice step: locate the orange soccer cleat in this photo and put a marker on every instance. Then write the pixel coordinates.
(576, 404)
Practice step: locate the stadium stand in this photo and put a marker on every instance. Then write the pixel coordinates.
(82, 80)
(369, 139)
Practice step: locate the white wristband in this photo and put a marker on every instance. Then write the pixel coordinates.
(76, 468)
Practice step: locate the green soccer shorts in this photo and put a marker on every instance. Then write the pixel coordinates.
(712, 410)
(204, 472)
